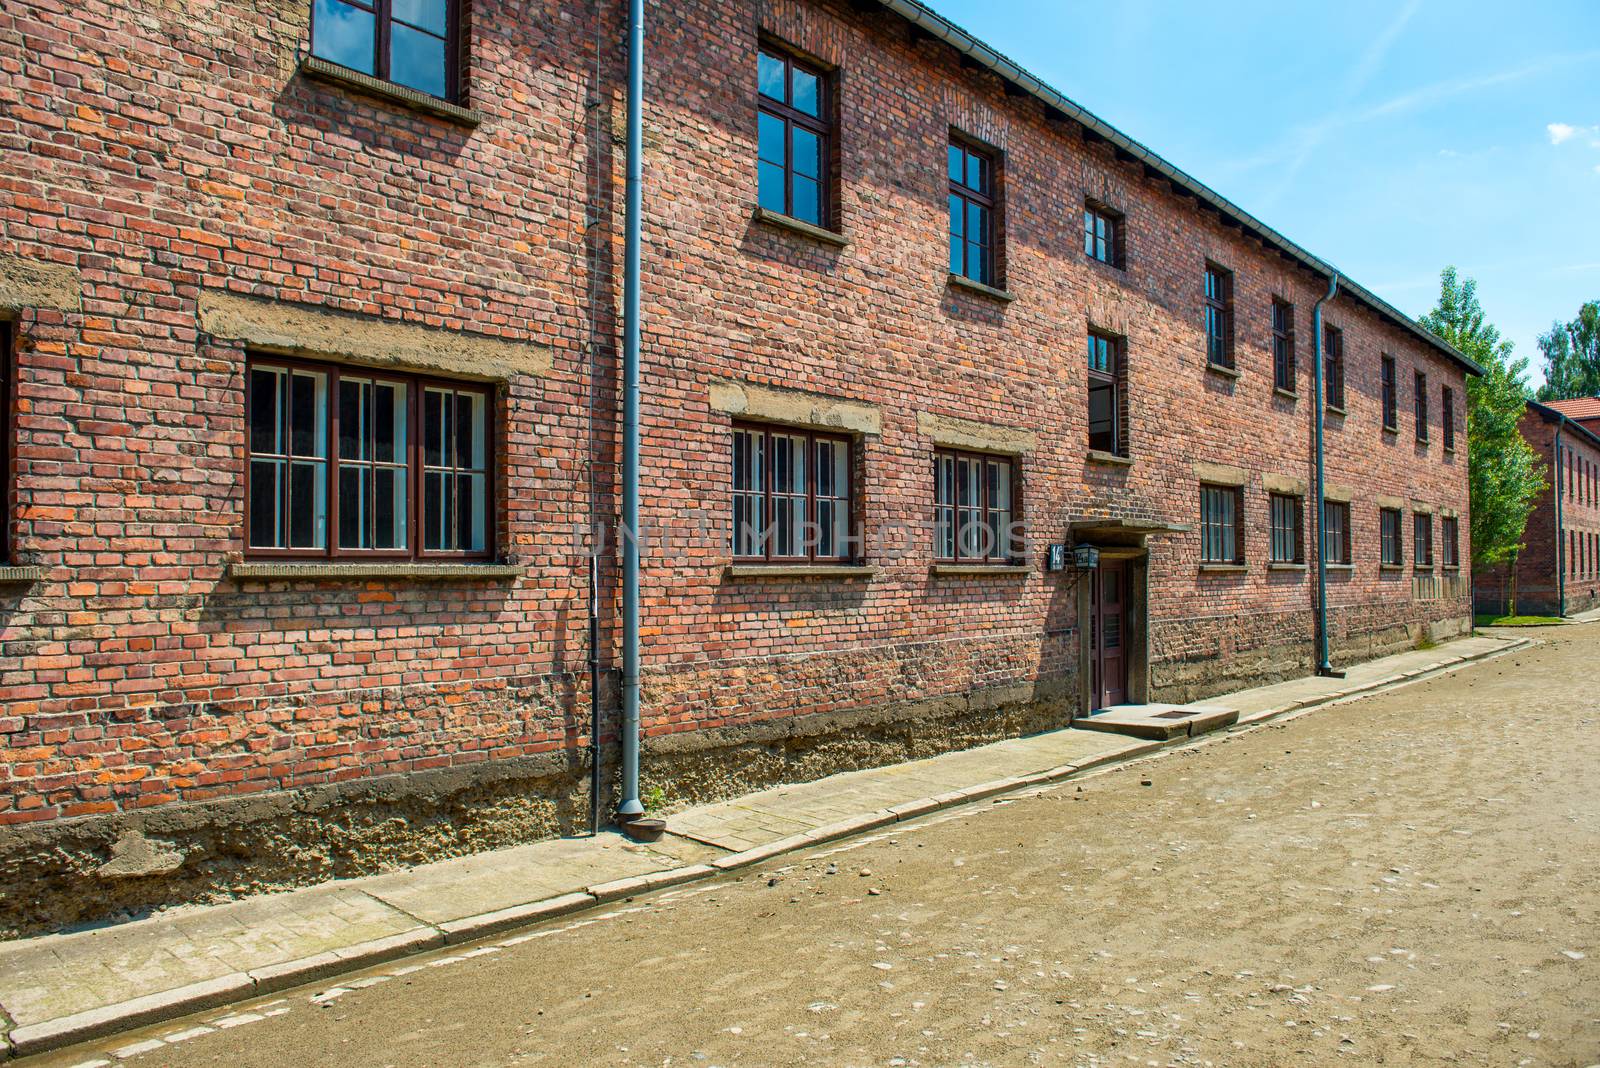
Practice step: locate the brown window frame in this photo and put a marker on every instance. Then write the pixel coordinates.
(1450, 542)
(1284, 371)
(999, 551)
(383, 22)
(1117, 378)
(1419, 403)
(1214, 531)
(8, 427)
(1278, 533)
(1390, 392)
(1422, 540)
(821, 125)
(1447, 417)
(812, 438)
(1333, 366)
(1103, 233)
(986, 200)
(1391, 537)
(1217, 290)
(1341, 509)
(415, 465)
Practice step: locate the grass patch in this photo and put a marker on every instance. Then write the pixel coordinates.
(1514, 621)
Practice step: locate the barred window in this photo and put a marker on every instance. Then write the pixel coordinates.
(1336, 532)
(1221, 538)
(1288, 540)
(1450, 543)
(1422, 539)
(1393, 550)
(975, 517)
(792, 496)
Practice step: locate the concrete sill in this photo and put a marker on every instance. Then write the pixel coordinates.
(961, 281)
(1341, 567)
(1392, 431)
(1224, 569)
(1424, 569)
(799, 226)
(1219, 369)
(322, 70)
(1286, 394)
(1336, 411)
(1422, 443)
(1097, 456)
(14, 575)
(1008, 570)
(799, 571)
(1286, 567)
(356, 572)
(1391, 567)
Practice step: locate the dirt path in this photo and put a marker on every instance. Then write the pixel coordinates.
(1413, 878)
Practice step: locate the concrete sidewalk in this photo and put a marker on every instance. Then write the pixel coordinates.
(61, 989)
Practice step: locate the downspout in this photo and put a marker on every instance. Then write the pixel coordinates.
(1324, 665)
(1561, 534)
(629, 534)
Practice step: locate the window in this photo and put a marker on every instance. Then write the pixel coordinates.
(974, 508)
(1420, 402)
(1447, 417)
(409, 42)
(1450, 546)
(1288, 520)
(1336, 532)
(1107, 381)
(791, 495)
(793, 161)
(1391, 395)
(1422, 539)
(1102, 234)
(1394, 553)
(7, 399)
(1333, 366)
(1219, 316)
(972, 213)
(1221, 538)
(1283, 369)
(335, 469)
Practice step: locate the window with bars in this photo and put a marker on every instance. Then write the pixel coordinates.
(1391, 394)
(1450, 541)
(1221, 533)
(8, 388)
(1447, 417)
(975, 515)
(1419, 391)
(794, 164)
(973, 212)
(1333, 366)
(1336, 532)
(1389, 523)
(1283, 368)
(1102, 234)
(1107, 382)
(1288, 521)
(414, 43)
(346, 462)
(792, 498)
(1422, 539)
(1219, 316)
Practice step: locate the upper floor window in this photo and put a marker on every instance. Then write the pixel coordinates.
(1283, 369)
(1391, 395)
(1420, 404)
(408, 42)
(791, 494)
(793, 160)
(1450, 542)
(972, 212)
(1333, 366)
(348, 462)
(1219, 316)
(1394, 554)
(1102, 234)
(1221, 535)
(1107, 384)
(1422, 539)
(974, 511)
(1288, 521)
(7, 394)
(1447, 417)
(1336, 532)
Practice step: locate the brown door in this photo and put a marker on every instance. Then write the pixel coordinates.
(1111, 635)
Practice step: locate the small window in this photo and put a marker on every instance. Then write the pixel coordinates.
(793, 160)
(1336, 532)
(1422, 539)
(1420, 404)
(1221, 536)
(1447, 418)
(409, 42)
(975, 514)
(1333, 366)
(973, 213)
(337, 470)
(1391, 395)
(1219, 316)
(8, 387)
(1450, 544)
(1288, 522)
(791, 495)
(1107, 394)
(1283, 369)
(1102, 234)
(1394, 554)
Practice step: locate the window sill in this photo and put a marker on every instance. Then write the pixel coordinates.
(1340, 412)
(1286, 394)
(1426, 569)
(799, 226)
(1224, 569)
(1450, 567)
(961, 281)
(799, 571)
(1391, 567)
(1285, 566)
(1111, 459)
(1341, 567)
(1392, 431)
(1223, 370)
(1009, 570)
(14, 575)
(1120, 268)
(358, 572)
(1422, 443)
(323, 70)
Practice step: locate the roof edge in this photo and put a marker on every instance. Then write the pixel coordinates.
(1556, 415)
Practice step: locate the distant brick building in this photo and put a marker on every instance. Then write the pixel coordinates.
(313, 353)
(1558, 572)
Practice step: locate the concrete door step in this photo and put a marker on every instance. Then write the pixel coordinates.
(1159, 722)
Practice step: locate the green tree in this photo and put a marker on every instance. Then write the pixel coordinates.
(1505, 475)
(1572, 356)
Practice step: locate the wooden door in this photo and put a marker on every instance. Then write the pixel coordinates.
(1111, 634)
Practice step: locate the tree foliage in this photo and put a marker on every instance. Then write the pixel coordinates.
(1572, 356)
(1506, 476)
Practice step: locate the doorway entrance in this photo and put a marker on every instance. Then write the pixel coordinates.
(1108, 627)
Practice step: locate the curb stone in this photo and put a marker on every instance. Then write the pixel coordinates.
(126, 1015)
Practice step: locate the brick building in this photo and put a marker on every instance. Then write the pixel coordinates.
(1558, 571)
(313, 350)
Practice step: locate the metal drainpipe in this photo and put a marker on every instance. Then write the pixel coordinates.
(629, 535)
(1324, 665)
(1561, 535)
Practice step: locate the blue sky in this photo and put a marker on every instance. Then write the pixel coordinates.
(1390, 138)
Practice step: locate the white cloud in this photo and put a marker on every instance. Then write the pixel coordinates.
(1560, 131)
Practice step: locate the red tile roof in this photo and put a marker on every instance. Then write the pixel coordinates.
(1580, 408)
